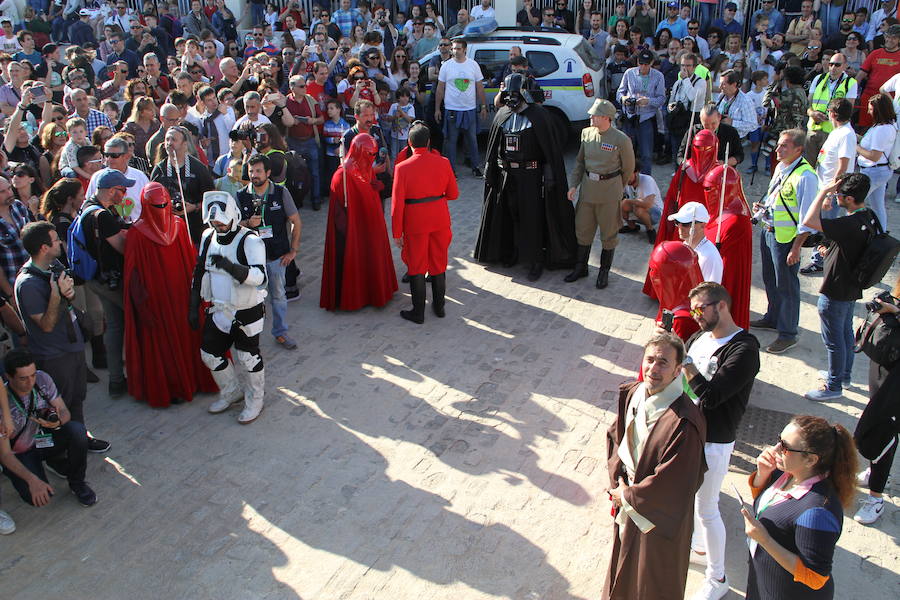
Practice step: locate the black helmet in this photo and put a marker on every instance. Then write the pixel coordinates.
(515, 91)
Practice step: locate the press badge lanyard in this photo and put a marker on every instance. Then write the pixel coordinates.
(42, 439)
(264, 231)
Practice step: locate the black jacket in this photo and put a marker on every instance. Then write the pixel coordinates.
(879, 423)
(724, 398)
(727, 136)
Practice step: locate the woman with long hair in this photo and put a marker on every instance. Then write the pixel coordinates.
(101, 135)
(27, 187)
(876, 433)
(873, 151)
(618, 34)
(53, 137)
(854, 53)
(142, 124)
(661, 40)
(801, 487)
(432, 14)
(270, 142)
(357, 38)
(583, 17)
(400, 63)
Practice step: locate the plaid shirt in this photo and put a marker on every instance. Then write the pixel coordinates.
(12, 253)
(94, 120)
(346, 19)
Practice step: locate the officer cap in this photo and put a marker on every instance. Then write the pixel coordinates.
(603, 108)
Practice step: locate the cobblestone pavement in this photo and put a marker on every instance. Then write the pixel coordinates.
(459, 459)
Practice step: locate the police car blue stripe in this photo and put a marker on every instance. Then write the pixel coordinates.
(564, 81)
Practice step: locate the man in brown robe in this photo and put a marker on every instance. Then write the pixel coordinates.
(656, 464)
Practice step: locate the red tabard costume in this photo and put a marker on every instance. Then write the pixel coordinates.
(423, 184)
(674, 271)
(736, 241)
(358, 269)
(704, 153)
(162, 354)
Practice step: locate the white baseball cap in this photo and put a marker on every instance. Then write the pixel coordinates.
(691, 212)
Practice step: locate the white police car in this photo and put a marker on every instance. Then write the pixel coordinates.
(565, 65)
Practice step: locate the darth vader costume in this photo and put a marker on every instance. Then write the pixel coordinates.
(526, 215)
(735, 242)
(674, 271)
(231, 276)
(161, 355)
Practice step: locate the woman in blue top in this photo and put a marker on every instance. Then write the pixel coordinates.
(800, 488)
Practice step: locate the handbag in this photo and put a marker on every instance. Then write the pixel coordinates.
(878, 341)
(678, 118)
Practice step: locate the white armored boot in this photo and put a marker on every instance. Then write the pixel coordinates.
(229, 389)
(253, 396)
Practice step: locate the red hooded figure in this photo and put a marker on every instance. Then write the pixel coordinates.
(673, 273)
(358, 268)
(162, 354)
(686, 186)
(735, 242)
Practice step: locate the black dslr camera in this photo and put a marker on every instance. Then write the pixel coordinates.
(874, 306)
(57, 269)
(243, 133)
(257, 207)
(49, 414)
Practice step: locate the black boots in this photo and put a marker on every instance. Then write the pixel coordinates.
(438, 289)
(417, 289)
(606, 258)
(534, 273)
(98, 352)
(581, 264)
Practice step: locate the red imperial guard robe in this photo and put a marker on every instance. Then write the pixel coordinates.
(689, 180)
(162, 353)
(736, 241)
(358, 268)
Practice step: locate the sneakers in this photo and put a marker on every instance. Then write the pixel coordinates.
(751, 170)
(7, 525)
(823, 375)
(870, 510)
(85, 495)
(292, 294)
(712, 590)
(781, 345)
(823, 394)
(97, 446)
(286, 342)
(651, 236)
(630, 229)
(811, 269)
(763, 324)
(476, 172)
(862, 478)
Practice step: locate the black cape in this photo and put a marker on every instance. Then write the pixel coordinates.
(495, 238)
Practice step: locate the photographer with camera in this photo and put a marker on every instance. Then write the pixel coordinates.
(44, 292)
(877, 431)
(269, 209)
(641, 93)
(840, 288)
(40, 428)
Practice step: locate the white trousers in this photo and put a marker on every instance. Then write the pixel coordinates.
(709, 530)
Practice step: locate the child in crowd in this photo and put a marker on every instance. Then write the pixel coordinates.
(111, 110)
(733, 49)
(760, 81)
(76, 127)
(232, 182)
(332, 132)
(401, 115)
(756, 42)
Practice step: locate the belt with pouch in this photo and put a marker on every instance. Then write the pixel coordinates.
(422, 200)
(599, 177)
(529, 165)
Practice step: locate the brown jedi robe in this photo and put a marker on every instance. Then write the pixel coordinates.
(653, 565)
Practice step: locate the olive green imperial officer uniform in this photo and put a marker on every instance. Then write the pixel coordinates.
(604, 164)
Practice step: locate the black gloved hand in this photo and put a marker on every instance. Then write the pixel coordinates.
(194, 312)
(239, 272)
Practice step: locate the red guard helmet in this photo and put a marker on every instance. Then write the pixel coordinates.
(704, 152)
(157, 221)
(735, 202)
(674, 271)
(361, 157)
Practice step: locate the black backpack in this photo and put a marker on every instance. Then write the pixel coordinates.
(880, 252)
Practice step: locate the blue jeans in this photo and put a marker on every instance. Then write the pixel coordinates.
(707, 16)
(70, 443)
(782, 285)
(114, 336)
(258, 13)
(878, 178)
(831, 19)
(309, 150)
(471, 141)
(59, 28)
(837, 334)
(277, 296)
(642, 138)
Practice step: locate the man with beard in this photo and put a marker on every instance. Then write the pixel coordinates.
(526, 215)
(231, 275)
(655, 462)
(358, 269)
(162, 356)
(721, 363)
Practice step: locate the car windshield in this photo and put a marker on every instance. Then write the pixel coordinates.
(591, 59)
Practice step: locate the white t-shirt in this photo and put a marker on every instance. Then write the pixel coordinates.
(299, 36)
(881, 138)
(459, 79)
(841, 143)
(646, 186)
(261, 119)
(478, 12)
(400, 129)
(892, 86)
(710, 261)
(133, 193)
(702, 351)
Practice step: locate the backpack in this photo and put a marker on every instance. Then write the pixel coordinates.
(877, 257)
(81, 262)
(298, 178)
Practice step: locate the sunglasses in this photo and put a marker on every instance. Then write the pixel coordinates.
(123, 72)
(698, 311)
(60, 134)
(835, 64)
(693, 27)
(846, 20)
(443, 44)
(20, 174)
(785, 448)
(113, 154)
